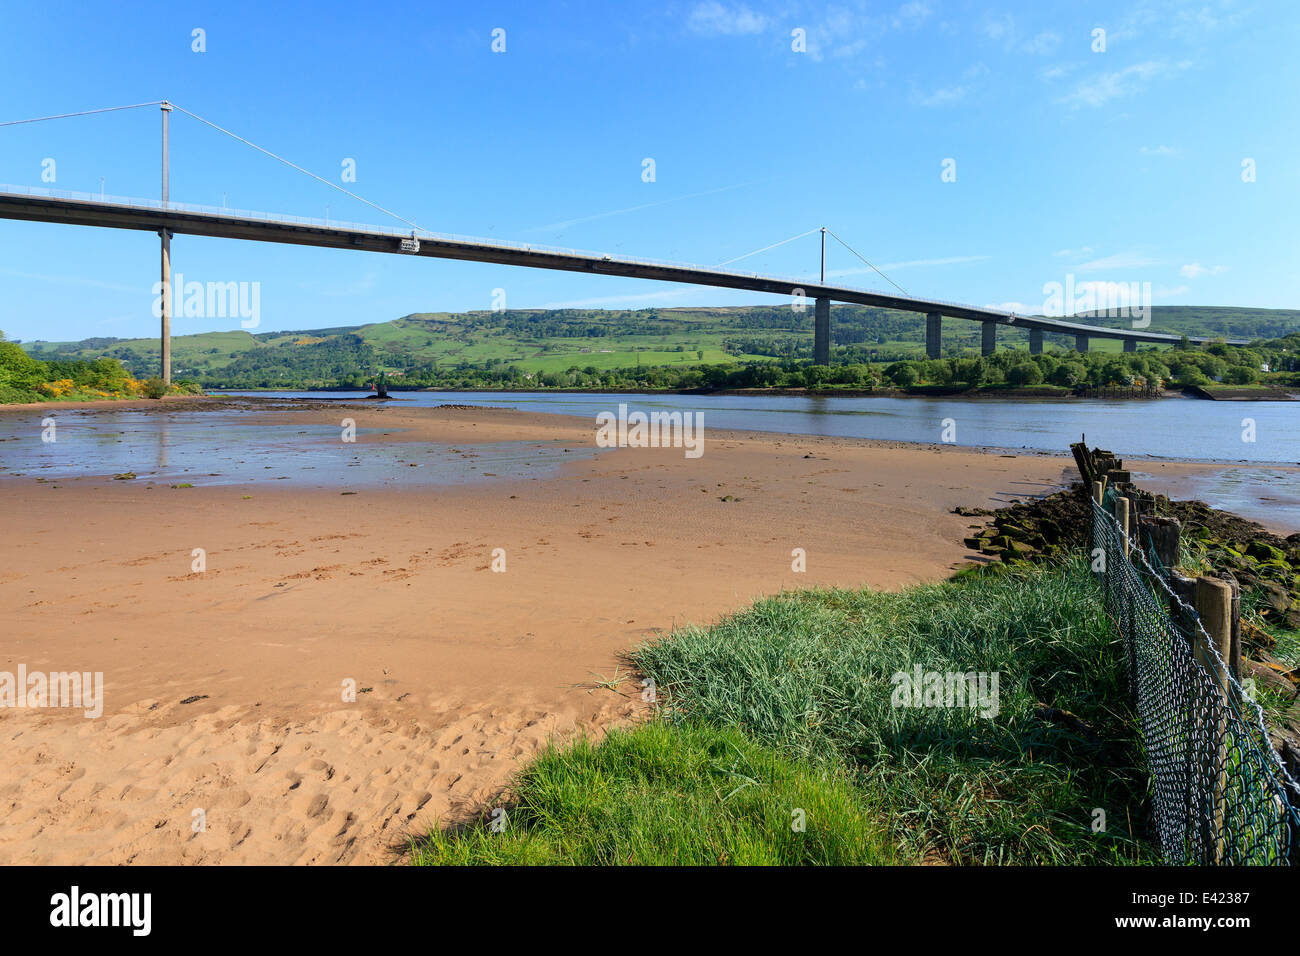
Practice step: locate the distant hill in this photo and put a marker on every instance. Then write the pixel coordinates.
(551, 341)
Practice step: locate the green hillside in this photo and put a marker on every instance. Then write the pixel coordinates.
(437, 347)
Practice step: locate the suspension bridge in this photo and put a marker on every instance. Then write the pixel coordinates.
(169, 218)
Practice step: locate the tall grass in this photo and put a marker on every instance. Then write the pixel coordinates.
(787, 705)
(809, 672)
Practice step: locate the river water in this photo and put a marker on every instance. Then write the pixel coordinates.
(226, 447)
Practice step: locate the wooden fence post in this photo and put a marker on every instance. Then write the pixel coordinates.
(1123, 514)
(1166, 540)
(1214, 606)
(1098, 491)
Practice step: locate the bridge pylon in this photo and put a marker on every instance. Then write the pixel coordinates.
(822, 331)
(988, 337)
(933, 335)
(165, 333)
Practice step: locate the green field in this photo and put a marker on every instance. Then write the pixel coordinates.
(436, 347)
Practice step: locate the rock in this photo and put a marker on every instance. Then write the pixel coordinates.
(1266, 676)
(1264, 552)
(1276, 597)
(1017, 549)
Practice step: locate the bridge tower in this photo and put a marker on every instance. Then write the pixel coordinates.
(165, 334)
(822, 318)
(1035, 341)
(1130, 345)
(1081, 343)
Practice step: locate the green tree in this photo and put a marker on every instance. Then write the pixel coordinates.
(1026, 373)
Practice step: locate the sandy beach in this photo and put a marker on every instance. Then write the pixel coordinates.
(225, 735)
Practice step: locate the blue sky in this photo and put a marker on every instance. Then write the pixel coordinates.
(1123, 165)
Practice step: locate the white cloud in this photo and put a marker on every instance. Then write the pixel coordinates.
(998, 29)
(1121, 260)
(941, 97)
(1195, 270)
(1159, 151)
(713, 19)
(1101, 89)
(911, 13)
(1081, 251)
(1044, 44)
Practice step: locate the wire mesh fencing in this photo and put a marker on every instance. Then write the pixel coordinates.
(1220, 793)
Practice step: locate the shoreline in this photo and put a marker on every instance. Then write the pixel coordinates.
(223, 684)
(273, 401)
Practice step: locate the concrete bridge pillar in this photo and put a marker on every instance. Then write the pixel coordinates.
(1130, 345)
(1035, 341)
(1081, 343)
(822, 332)
(988, 338)
(933, 335)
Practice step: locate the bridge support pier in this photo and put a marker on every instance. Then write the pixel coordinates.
(1130, 345)
(933, 335)
(1081, 343)
(822, 332)
(988, 338)
(1035, 341)
(165, 332)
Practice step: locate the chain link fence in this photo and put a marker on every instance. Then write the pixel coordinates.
(1220, 793)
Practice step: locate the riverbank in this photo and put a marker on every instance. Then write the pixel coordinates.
(224, 686)
(1050, 392)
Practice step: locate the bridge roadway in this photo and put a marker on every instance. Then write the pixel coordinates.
(154, 216)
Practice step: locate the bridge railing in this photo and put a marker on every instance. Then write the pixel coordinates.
(505, 244)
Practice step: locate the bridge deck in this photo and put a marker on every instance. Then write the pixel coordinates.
(86, 210)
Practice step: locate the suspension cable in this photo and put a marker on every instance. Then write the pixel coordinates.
(855, 252)
(765, 248)
(107, 109)
(387, 212)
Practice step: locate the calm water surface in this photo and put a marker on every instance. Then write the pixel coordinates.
(205, 447)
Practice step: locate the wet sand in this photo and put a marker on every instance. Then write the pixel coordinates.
(461, 671)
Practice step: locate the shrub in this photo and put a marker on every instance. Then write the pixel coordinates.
(1026, 373)
(154, 387)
